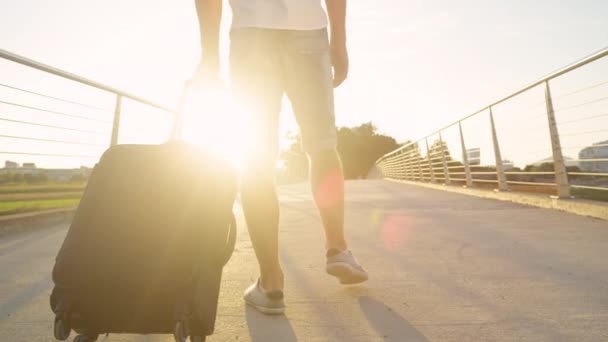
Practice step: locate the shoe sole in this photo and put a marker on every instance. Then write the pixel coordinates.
(265, 310)
(346, 273)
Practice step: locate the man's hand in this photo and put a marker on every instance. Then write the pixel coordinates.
(339, 60)
(336, 11)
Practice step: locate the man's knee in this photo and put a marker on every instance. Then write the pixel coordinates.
(325, 158)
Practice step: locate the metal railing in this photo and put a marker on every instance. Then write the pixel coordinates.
(114, 121)
(419, 161)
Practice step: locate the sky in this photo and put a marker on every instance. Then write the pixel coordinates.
(416, 66)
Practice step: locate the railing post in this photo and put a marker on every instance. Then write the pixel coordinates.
(400, 166)
(428, 154)
(410, 167)
(446, 171)
(419, 163)
(406, 167)
(465, 158)
(559, 166)
(395, 169)
(500, 170)
(380, 167)
(116, 123)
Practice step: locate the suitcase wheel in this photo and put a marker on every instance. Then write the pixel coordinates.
(85, 338)
(181, 332)
(61, 328)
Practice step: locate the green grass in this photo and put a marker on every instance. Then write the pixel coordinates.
(22, 188)
(596, 195)
(16, 207)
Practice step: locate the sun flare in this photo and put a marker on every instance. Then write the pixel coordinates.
(213, 121)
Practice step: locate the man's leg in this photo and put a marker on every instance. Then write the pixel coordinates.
(309, 85)
(261, 209)
(327, 182)
(257, 84)
(327, 185)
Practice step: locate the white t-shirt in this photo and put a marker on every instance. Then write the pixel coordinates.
(278, 14)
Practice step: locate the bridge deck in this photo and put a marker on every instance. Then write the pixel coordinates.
(443, 266)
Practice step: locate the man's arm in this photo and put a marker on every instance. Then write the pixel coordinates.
(336, 11)
(209, 17)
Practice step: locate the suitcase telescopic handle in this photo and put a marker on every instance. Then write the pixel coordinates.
(230, 241)
(176, 132)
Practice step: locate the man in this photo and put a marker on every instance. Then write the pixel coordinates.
(277, 47)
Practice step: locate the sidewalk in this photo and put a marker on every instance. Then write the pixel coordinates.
(443, 267)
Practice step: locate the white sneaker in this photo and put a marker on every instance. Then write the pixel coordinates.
(345, 267)
(270, 303)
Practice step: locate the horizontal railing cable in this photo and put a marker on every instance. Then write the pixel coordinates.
(581, 90)
(55, 112)
(583, 119)
(47, 154)
(563, 109)
(52, 140)
(53, 126)
(67, 75)
(598, 174)
(586, 146)
(591, 58)
(584, 133)
(54, 98)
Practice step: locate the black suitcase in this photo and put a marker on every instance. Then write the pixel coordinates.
(145, 251)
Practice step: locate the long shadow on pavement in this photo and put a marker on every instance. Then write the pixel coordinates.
(263, 328)
(387, 322)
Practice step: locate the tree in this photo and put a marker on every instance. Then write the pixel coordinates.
(294, 161)
(438, 148)
(359, 147)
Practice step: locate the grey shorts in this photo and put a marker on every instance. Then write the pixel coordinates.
(267, 63)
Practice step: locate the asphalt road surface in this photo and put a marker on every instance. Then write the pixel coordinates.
(443, 267)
